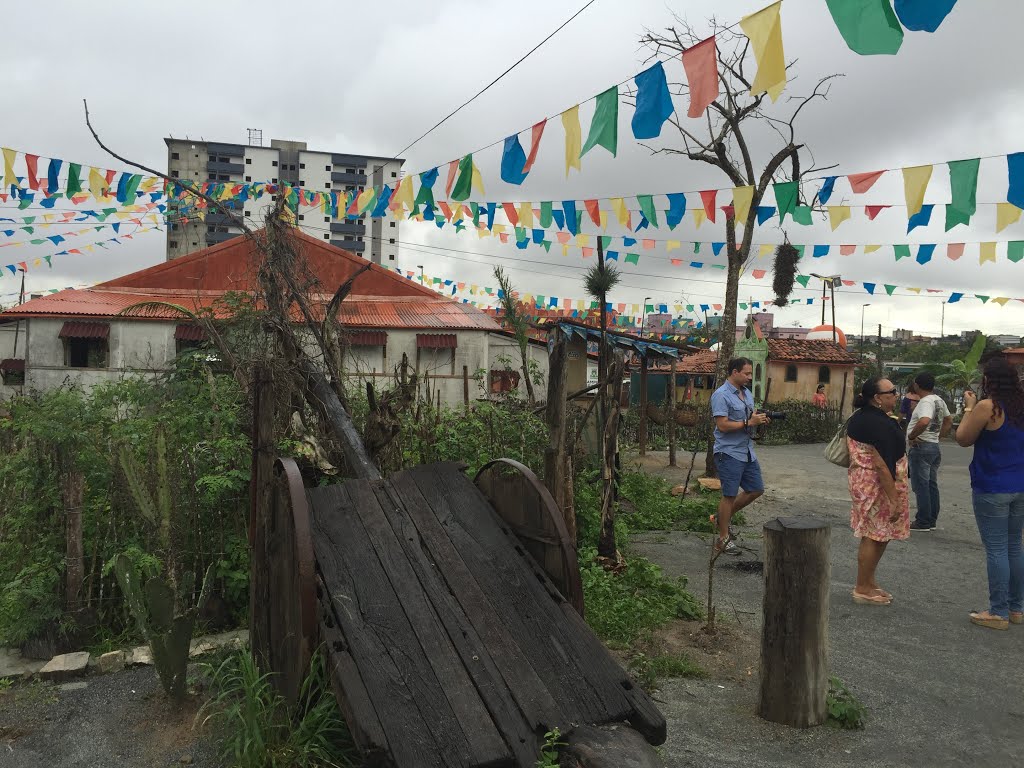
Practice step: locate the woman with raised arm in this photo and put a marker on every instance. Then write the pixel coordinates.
(878, 484)
(995, 427)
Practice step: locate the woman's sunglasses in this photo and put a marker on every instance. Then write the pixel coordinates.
(887, 392)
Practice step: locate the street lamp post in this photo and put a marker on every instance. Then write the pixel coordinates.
(831, 281)
(862, 306)
(420, 268)
(643, 316)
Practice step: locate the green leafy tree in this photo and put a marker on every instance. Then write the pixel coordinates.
(518, 324)
(962, 374)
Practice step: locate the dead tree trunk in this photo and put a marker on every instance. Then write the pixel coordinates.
(72, 494)
(672, 414)
(557, 471)
(794, 639)
(606, 545)
(642, 430)
(263, 455)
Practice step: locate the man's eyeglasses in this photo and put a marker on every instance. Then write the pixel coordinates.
(887, 391)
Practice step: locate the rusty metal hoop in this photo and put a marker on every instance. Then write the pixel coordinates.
(546, 531)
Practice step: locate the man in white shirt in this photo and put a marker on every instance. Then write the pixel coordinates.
(929, 422)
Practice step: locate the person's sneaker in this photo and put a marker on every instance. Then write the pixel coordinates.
(727, 548)
(916, 526)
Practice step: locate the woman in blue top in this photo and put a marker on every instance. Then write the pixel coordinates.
(995, 427)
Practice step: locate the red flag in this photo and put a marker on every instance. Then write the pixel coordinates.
(955, 250)
(847, 250)
(708, 198)
(453, 168)
(729, 211)
(511, 212)
(23, 266)
(759, 273)
(701, 64)
(30, 161)
(110, 177)
(874, 210)
(848, 283)
(862, 182)
(537, 131)
(445, 210)
(594, 209)
(677, 262)
(717, 306)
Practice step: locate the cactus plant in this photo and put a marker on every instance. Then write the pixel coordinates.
(162, 605)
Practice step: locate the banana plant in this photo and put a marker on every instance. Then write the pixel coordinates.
(162, 605)
(963, 373)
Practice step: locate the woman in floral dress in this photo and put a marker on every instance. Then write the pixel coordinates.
(878, 484)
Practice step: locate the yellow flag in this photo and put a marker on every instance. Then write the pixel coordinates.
(1006, 214)
(837, 214)
(472, 290)
(766, 250)
(671, 245)
(1000, 300)
(741, 199)
(482, 232)
(565, 250)
(621, 211)
(871, 248)
(580, 304)
(988, 253)
(764, 29)
(526, 215)
(573, 138)
(476, 180)
(9, 176)
(914, 290)
(404, 197)
(582, 240)
(604, 221)
(498, 229)
(915, 182)
(363, 200)
(699, 216)
(398, 214)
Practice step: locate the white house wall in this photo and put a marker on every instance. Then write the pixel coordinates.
(502, 346)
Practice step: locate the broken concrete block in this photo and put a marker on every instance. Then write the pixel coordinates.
(140, 655)
(65, 666)
(111, 662)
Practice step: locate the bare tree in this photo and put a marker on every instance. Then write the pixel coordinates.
(739, 137)
(518, 324)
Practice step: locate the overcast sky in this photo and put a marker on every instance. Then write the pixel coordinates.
(370, 77)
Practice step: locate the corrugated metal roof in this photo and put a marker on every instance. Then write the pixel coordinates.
(379, 298)
(189, 332)
(437, 340)
(368, 339)
(77, 329)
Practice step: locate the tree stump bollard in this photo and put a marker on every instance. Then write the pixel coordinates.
(794, 639)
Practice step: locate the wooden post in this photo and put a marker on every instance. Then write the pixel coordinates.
(879, 361)
(642, 431)
(557, 472)
(260, 489)
(465, 386)
(842, 397)
(72, 493)
(794, 638)
(672, 414)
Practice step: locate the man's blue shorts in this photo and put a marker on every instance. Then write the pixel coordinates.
(736, 474)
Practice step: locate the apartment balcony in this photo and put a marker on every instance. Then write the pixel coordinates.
(348, 229)
(351, 179)
(215, 166)
(349, 245)
(228, 150)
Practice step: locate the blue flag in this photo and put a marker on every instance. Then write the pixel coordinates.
(924, 253)
(920, 219)
(923, 15)
(826, 189)
(653, 102)
(513, 159)
(1015, 169)
(676, 209)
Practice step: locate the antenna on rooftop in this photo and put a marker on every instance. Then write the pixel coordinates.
(255, 137)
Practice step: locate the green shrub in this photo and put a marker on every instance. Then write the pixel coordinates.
(648, 670)
(804, 423)
(256, 727)
(621, 607)
(844, 710)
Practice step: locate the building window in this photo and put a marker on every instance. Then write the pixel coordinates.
(327, 219)
(273, 163)
(248, 213)
(757, 372)
(790, 372)
(327, 237)
(302, 165)
(302, 183)
(174, 174)
(173, 244)
(273, 180)
(248, 178)
(327, 185)
(394, 175)
(175, 156)
(327, 168)
(824, 374)
(360, 238)
(248, 161)
(85, 353)
(302, 217)
(350, 170)
(391, 240)
(391, 257)
(392, 224)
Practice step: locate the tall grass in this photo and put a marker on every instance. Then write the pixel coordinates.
(257, 728)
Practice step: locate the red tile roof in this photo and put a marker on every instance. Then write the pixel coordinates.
(379, 298)
(703, 362)
(804, 351)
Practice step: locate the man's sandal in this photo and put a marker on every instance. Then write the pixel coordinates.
(987, 620)
(1016, 617)
(862, 599)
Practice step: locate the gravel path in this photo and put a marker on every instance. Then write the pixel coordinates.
(939, 691)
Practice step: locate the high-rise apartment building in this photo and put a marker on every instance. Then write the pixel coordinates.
(284, 162)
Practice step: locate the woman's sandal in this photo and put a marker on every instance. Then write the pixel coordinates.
(882, 593)
(862, 599)
(1016, 617)
(987, 620)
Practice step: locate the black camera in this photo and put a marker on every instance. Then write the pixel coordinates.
(773, 415)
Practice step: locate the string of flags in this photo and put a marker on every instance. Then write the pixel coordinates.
(872, 27)
(56, 239)
(23, 266)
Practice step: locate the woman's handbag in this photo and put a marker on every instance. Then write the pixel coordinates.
(838, 450)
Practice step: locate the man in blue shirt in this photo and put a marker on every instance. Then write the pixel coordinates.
(732, 406)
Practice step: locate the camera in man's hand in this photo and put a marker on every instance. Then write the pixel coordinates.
(773, 415)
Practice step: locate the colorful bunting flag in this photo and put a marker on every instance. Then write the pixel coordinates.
(785, 198)
(920, 219)
(1015, 172)
(923, 15)
(513, 161)
(676, 209)
(837, 214)
(742, 197)
(1006, 214)
(869, 27)
(573, 133)
(536, 132)
(764, 30)
(700, 62)
(963, 182)
(708, 199)
(862, 182)
(987, 253)
(604, 128)
(954, 251)
(653, 103)
(915, 182)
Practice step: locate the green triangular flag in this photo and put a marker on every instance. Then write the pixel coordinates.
(800, 249)
(647, 208)
(901, 251)
(1015, 250)
(74, 185)
(29, 219)
(963, 183)
(464, 182)
(606, 241)
(696, 247)
(632, 258)
(742, 305)
(547, 245)
(48, 262)
(689, 307)
(593, 305)
(803, 280)
(545, 214)
(889, 289)
(37, 242)
(718, 266)
(984, 299)
(604, 129)
(868, 26)
(785, 198)
(802, 215)
(32, 230)
(521, 235)
(131, 188)
(476, 215)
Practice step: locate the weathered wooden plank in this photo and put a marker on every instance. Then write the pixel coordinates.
(419, 725)
(486, 746)
(521, 592)
(519, 731)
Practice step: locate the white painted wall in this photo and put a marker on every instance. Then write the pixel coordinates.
(503, 346)
(259, 166)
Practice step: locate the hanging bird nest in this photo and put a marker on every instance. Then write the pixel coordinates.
(786, 258)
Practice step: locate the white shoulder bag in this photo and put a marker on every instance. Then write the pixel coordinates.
(838, 450)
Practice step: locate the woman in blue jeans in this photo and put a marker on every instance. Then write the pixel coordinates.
(995, 427)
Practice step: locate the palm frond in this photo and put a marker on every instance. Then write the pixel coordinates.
(600, 282)
(155, 309)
